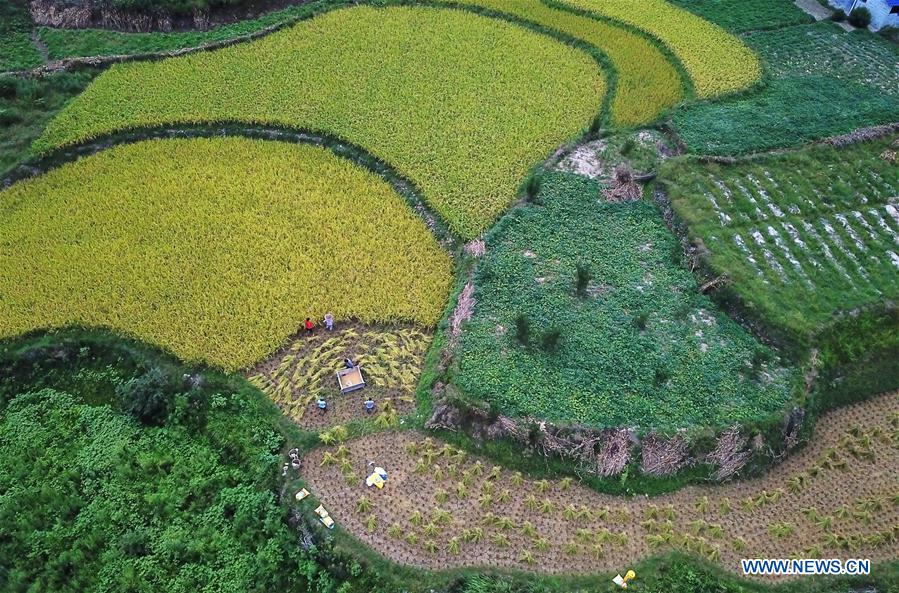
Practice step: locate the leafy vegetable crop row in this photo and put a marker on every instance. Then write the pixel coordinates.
(647, 82)
(821, 82)
(460, 104)
(640, 347)
(718, 62)
(803, 236)
(216, 249)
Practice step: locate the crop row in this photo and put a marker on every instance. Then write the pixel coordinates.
(718, 62)
(442, 507)
(449, 98)
(746, 15)
(216, 249)
(635, 345)
(802, 236)
(820, 82)
(864, 59)
(647, 82)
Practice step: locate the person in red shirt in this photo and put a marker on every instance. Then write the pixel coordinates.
(309, 326)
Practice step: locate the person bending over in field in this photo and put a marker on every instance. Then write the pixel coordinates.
(329, 322)
(309, 326)
(322, 405)
(369, 405)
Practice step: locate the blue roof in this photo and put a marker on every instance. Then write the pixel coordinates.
(892, 2)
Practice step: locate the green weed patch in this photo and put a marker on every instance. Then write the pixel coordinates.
(636, 346)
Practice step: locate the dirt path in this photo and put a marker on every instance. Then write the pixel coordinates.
(819, 12)
(839, 497)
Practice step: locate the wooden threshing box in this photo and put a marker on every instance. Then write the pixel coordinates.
(350, 379)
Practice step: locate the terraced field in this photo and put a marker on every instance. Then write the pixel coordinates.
(647, 82)
(718, 62)
(443, 508)
(802, 235)
(821, 81)
(637, 347)
(425, 113)
(216, 249)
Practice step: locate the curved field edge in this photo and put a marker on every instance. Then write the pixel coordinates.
(648, 84)
(48, 360)
(214, 248)
(36, 166)
(643, 82)
(718, 62)
(425, 120)
(839, 491)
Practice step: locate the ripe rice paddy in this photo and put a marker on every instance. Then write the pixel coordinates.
(647, 83)
(457, 105)
(215, 249)
(718, 62)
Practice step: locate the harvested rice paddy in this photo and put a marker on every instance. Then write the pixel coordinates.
(445, 508)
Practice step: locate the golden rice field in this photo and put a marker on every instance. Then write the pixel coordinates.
(718, 62)
(216, 249)
(647, 84)
(454, 101)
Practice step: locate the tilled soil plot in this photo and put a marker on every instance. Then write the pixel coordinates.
(838, 498)
(305, 369)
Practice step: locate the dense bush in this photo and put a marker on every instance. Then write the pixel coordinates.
(233, 244)
(94, 501)
(455, 107)
(860, 17)
(172, 6)
(146, 397)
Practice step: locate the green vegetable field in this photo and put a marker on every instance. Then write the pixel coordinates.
(821, 82)
(803, 235)
(425, 114)
(640, 347)
(215, 249)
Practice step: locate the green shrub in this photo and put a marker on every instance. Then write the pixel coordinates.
(860, 17)
(839, 15)
(146, 397)
(582, 279)
(523, 330)
(551, 340)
